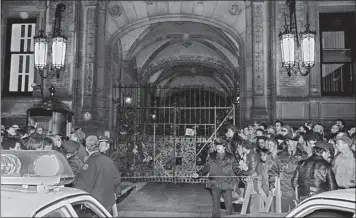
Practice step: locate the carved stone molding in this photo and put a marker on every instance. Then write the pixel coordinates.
(257, 29)
(149, 2)
(21, 3)
(234, 9)
(90, 3)
(186, 58)
(115, 11)
(90, 49)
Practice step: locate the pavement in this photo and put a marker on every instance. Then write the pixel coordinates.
(172, 200)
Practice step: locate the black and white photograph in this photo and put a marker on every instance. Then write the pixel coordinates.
(160, 108)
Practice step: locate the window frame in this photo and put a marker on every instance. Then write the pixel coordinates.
(352, 63)
(92, 201)
(7, 60)
(62, 204)
(309, 206)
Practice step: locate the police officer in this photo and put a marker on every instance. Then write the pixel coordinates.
(99, 176)
(104, 144)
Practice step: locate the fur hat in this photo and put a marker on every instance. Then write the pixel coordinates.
(92, 143)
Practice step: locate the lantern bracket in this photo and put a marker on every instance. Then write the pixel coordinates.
(308, 62)
(57, 36)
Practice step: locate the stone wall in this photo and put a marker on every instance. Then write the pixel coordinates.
(299, 98)
(14, 108)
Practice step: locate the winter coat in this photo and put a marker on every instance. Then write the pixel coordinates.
(100, 177)
(251, 159)
(314, 175)
(223, 168)
(284, 166)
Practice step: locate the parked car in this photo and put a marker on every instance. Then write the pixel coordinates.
(338, 203)
(32, 185)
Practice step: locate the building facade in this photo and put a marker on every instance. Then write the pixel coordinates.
(226, 44)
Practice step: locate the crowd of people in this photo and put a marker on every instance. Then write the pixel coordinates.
(88, 156)
(307, 160)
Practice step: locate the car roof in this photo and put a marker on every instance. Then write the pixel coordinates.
(341, 194)
(19, 202)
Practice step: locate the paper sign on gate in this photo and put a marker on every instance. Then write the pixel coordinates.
(189, 132)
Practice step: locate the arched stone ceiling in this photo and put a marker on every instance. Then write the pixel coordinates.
(153, 43)
(229, 14)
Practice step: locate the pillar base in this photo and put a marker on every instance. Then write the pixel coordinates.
(260, 115)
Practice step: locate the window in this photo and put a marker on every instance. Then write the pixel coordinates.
(60, 212)
(87, 209)
(338, 49)
(330, 213)
(19, 60)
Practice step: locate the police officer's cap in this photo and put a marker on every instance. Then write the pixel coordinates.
(324, 145)
(104, 138)
(70, 146)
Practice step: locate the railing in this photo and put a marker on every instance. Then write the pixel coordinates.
(264, 201)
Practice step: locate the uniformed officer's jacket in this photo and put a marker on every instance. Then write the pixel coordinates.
(100, 177)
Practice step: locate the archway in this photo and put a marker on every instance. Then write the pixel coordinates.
(178, 76)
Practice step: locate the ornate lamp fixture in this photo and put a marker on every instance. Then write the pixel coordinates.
(305, 42)
(58, 47)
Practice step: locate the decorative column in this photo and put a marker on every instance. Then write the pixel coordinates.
(260, 46)
(84, 96)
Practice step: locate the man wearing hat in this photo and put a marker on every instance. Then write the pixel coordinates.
(221, 167)
(314, 175)
(104, 144)
(99, 176)
(344, 163)
(70, 150)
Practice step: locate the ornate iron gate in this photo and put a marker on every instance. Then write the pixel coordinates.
(165, 132)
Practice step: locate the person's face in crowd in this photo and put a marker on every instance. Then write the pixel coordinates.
(74, 137)
(261, 127)
(246, 131)
(352, 131)
(39, 130)
(284, 131)
(342, 146)
(292, 145)
(339, 123)
(57, 141)
(220, 148)
(251, 130)
(271, 146)
(311, 143)
(255, 125)
(259, 133)
(261, 143)
(335, 129)
(104, 146)
(264, 156)
(318, 128)
(326, 155)
(278, 126)
(229, 133)
(12, 131)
